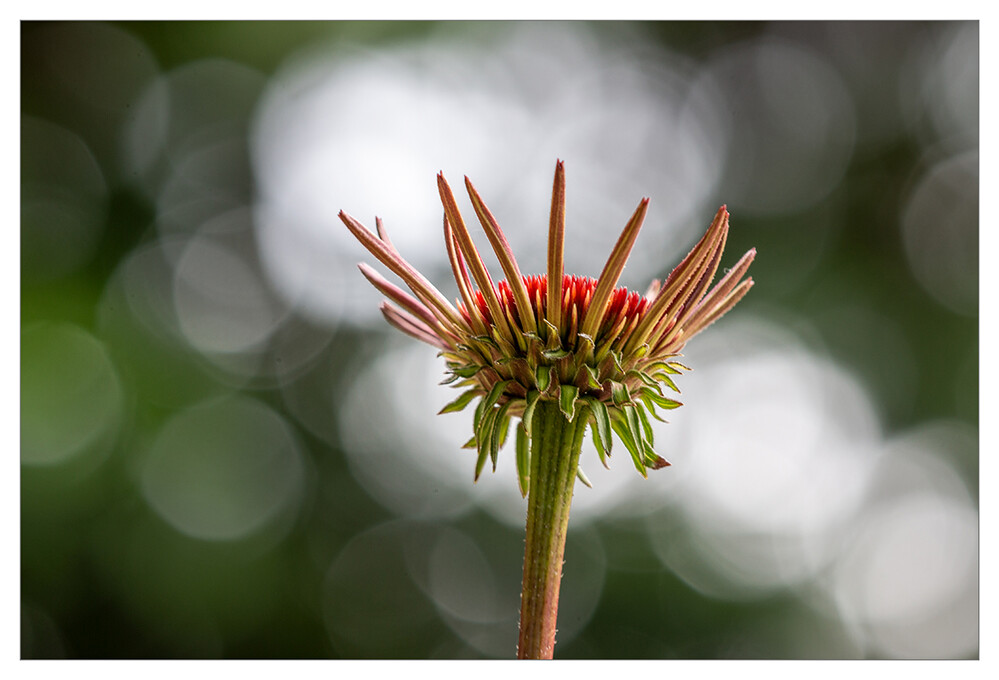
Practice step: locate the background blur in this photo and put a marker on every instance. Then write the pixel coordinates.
(226, 452)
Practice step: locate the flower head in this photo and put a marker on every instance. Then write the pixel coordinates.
(600, 351)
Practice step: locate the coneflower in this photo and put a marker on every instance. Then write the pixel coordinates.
(555, 352)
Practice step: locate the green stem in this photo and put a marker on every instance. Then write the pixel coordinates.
(555, 445)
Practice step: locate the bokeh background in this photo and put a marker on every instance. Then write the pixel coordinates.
(226, 452)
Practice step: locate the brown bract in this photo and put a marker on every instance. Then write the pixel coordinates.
(597, 349)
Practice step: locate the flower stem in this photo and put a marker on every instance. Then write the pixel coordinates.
(555, 445)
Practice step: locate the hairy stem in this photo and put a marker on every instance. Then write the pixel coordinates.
(555, 445)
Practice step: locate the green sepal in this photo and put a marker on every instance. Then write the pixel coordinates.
(480, 409)
(542, 376)
(642, 350)
(652, 459)
(662, 366)
(488, 402)
(651, 406)
(567, 400)
(634, 425)
(523, 460)
(532, 401)
(460, 403)
(620, 394)
(646, 425)
(601, 454)
(660, 401)
(500, 427)
(503, 425)
(471, 443)
(582, 477)
(602, 427)
(678, 365)
(591, 377)
(661, 371)
(449, 379)
(623, 430)
(484, 436)
(669, 382)
(466, 371)
(645, 378)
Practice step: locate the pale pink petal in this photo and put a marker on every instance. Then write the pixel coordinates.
(410, 325)
(421, 287)
(404, 300)
(720, 309)
(727, 283)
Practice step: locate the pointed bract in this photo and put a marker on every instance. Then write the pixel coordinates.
(556, 248)
(503, 252)
(612, 270)
(475, 264)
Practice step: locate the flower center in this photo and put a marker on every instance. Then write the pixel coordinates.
(623, 307)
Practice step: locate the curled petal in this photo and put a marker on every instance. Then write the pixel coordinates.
(719, 309)
(421, 287)
(692, 281)
(690, 296)
(721, 291)
(410, 325)
(675, 290)
(405, 300)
